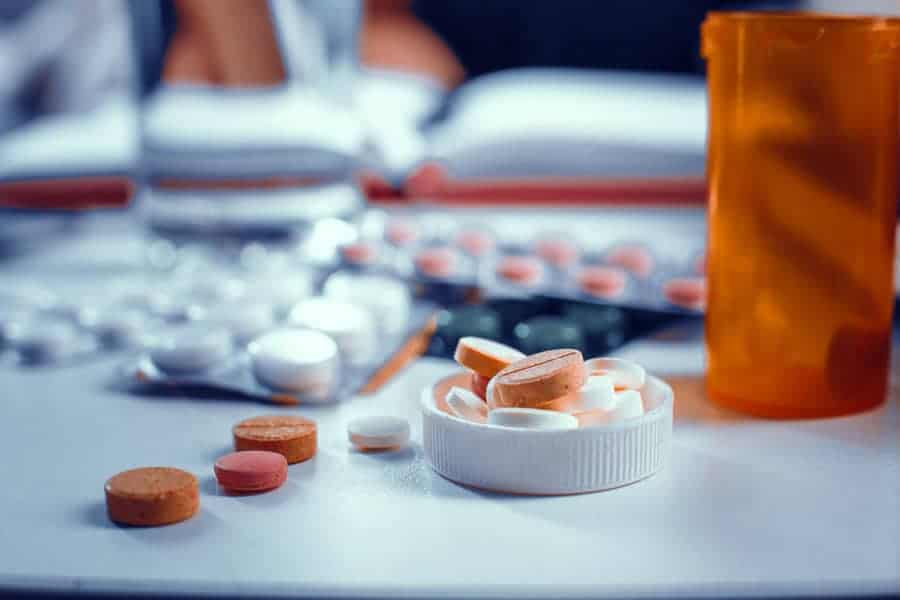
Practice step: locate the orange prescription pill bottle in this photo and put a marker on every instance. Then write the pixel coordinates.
(802, 172)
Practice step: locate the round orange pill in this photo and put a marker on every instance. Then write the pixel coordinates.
(292, 437)
(547, 380)
(152, 496)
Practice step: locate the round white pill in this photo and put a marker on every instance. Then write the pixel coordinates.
(597, 393)
(386, 298)
(628, 405)
(531, 418)
(378, 433)
(351, 326)
(466, 405)
(26, 296)
(190, 348)
(45, 340)
(624, 373)
(296, 360)
(245, 320)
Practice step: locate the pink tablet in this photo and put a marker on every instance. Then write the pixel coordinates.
(251, 471)
(605, 282)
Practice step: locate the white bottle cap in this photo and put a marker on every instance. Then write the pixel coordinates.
(351, 326)
(190, 348)
(295, 360)
(564, 461)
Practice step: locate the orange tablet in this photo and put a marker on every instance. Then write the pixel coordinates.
(152, 496)
(292, 437)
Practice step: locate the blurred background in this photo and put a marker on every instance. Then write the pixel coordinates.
(112, 87)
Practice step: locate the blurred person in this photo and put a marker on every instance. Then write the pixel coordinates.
(58, 56)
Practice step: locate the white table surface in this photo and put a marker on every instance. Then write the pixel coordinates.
(743, 507)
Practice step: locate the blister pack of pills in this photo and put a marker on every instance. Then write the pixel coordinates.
(453, 261)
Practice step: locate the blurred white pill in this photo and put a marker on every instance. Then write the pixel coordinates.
(386, 298)
(531, 418)
(378, 432)
(296, 360)
(245, 320)
(466, 405)
(115, 326)
(624, 373)
(628, 405)
(280, 289)
(597, 393)
(45, 340)
(190, 348)
(351, 326)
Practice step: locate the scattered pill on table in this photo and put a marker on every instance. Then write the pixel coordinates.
(251, 471)
(378, 432)
(291, 436)
(151, 496)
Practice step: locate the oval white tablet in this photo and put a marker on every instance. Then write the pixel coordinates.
(378, 432)
(190, 348)
(466, 405)
(45, 340)
(388, 299)
(624, 373)
(351, 326)
(296, 360)
(629, 405)
(245, 320)
(531, 418)
(597, 393)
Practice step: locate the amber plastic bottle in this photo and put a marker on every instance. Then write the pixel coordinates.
(802, 170)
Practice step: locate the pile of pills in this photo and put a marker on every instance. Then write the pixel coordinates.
(450, 259)
(553, 389)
